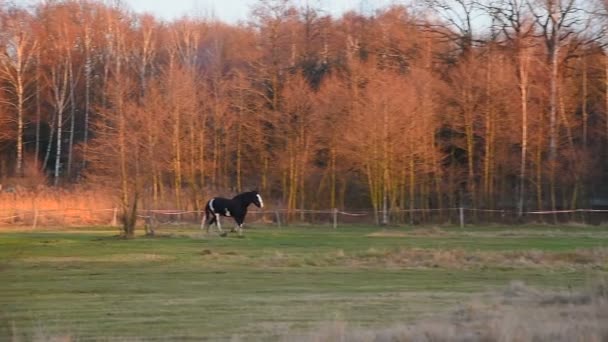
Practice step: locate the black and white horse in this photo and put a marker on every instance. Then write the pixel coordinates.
(235, 207)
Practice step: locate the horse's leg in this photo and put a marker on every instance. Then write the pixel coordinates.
(219, 225)
(239, 225)
(210, 221)
(236, 226)
(208, 218)
(204, 221)
(235, 229)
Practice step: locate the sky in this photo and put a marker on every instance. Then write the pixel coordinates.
(233, 11)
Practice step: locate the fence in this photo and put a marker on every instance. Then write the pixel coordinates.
(282, 217)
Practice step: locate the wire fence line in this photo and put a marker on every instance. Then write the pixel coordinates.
(282, 216)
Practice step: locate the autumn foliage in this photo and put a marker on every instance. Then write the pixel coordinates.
(488, 104)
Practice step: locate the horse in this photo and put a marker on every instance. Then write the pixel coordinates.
(235, 208)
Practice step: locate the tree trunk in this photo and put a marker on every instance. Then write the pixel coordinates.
(60, 93)
(47, 154)
(129, 213)
(88, 70)
(539, 172)
(58, 146)
(469, 122)
(489, 141)
(239, 185)
(177, 161)
(20, 115)
(201, 152)
(553, 54)
(585, 89)
(522, 65)
(72, 83)
(412, 189)
(38, 114)
(332, 167)
(385, 167)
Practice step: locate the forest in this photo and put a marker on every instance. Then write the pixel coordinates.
(434, 104)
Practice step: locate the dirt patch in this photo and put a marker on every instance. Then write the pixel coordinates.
(212, 253)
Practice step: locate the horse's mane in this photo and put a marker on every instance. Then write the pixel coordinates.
(243, 195)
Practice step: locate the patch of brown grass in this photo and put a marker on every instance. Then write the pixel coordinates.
(428, 231)
(56, 206)
(388, 233)
(449, 259)
(120, 258)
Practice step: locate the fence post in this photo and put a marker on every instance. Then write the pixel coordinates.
(35, 219)
(114, 220)
(335, 212)
(278, 217)
(461, 212)
(203, 219)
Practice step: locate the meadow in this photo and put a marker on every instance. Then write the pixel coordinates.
(305, 283)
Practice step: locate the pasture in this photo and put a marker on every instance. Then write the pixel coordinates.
(297, 283)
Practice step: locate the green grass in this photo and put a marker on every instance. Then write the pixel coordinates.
(88, 284)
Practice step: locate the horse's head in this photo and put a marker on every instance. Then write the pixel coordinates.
(246, 198)
(257, 199)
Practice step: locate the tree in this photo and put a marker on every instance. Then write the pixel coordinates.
(558, 20)
(297, 123)
(116, 154)
(16, 61)
(515, 25)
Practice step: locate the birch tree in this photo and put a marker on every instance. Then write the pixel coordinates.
(517, 28)
(16, 62)
(558, 20)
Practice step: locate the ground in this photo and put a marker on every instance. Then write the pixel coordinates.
(304, 282)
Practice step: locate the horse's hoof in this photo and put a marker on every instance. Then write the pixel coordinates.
(224, 234)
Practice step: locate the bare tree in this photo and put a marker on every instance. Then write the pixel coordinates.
(460, 16)
(517, 28)
(558, 20)
(16, 61)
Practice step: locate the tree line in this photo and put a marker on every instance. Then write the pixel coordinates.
(442, 103)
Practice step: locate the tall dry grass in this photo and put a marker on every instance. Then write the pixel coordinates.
(46, 206)
(28, 200)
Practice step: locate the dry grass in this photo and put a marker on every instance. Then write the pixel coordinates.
(56, 206)
(118, 258)
(596, 258)
(519, 313)
(427, 231)
(388, 233)
(459, 259)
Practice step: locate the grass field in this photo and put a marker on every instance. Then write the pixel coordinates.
(279, 284)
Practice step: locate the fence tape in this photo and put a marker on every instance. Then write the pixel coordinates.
(18, 212)
(352, 214)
